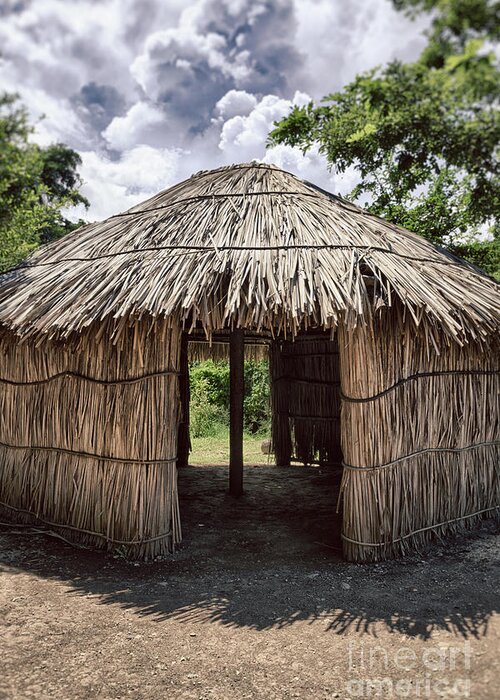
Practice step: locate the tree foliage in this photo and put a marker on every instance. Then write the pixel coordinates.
(36, 185)
(454, 23)
(209, 383)
(423, 136)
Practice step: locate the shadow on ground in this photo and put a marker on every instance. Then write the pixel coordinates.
(272, 559)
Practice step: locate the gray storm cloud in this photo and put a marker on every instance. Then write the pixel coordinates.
(219, 45)
(97, 105)
(149, 92)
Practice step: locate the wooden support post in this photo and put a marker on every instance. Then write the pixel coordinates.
(237, 391)
(183, 441)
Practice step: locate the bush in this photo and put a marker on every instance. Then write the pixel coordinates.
(209, 408)
(485, 254)
(257, 411)
(209, 411)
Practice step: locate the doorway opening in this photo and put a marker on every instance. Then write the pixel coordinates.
(206, 407)
(292, 468)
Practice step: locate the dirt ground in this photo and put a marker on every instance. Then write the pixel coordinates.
(257, 604)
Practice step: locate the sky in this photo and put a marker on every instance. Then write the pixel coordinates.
(151, 91)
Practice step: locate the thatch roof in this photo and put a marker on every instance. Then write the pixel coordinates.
(250, 245)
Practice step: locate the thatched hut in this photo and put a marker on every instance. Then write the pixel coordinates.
(384, 356)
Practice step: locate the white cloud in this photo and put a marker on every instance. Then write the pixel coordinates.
(218, 46)
(152, 91)
(62, 45)
(54, 118)
(234, 103)
(244, 136)
(113, 186)
(172, 53)
(341, 39)
(138, 126)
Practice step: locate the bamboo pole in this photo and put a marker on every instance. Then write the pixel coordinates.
(237, 391)
(281, 435)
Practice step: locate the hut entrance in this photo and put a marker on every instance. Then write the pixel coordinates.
(228, 385)
(305, 396)
(305, 414)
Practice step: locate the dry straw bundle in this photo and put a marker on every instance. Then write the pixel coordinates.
(248, 245)
(420, 436)
(86, 445)
(90, 331)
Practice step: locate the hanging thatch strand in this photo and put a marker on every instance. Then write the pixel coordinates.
(249, 245)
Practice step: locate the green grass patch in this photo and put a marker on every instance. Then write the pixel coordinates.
(214, 450)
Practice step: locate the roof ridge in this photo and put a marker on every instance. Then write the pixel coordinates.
(239, 166)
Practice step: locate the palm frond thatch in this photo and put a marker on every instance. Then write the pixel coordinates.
(249, 245)
(88, 437)
(305, 395)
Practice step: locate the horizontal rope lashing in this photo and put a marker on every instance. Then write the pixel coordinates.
(422, 529)
(249, 341)
(302, 341)
(295, 380)
(421, 452)
(91, 455)
(84, 532)
(211, 249)
(301, 416)
(300, 356)
(419, 375)
(77, 375)
(214, 196)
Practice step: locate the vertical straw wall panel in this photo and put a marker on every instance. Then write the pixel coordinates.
(420, 436)
(88, 436)
(305, 396)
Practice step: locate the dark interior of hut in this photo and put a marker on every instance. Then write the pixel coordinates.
(296, 499)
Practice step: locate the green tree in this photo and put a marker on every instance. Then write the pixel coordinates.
(454, 23)
(36, 185)
(423, 136)
(209, 382)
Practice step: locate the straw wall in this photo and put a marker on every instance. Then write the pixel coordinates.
(305, 395)
(88, 437)
(420, 437)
